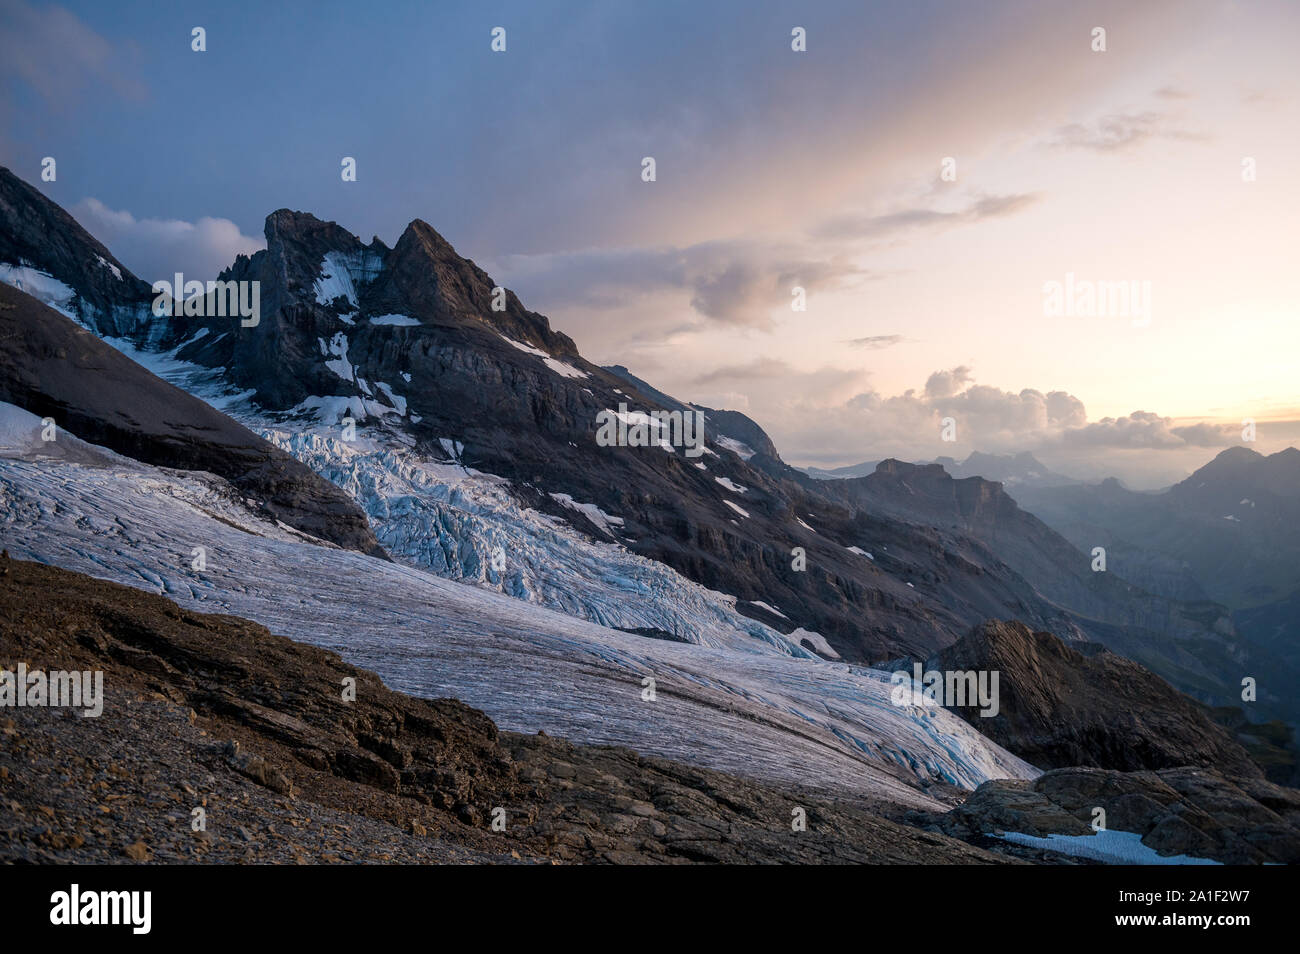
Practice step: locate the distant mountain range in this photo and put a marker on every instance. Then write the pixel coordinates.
(1229, 533)
(1231, 530)
(1011, 470)
(1228, 536)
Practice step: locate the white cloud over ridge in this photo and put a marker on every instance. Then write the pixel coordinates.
(157, 248)
(833, 417)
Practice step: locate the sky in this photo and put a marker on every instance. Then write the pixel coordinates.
(933, 291)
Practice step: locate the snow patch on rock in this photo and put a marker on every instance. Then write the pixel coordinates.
(743, 451)
(740, 510)
(42, 286)
(396, 321)
(817, 640)
(1108, 846)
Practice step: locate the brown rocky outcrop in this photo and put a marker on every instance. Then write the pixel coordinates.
(1061, 707)
(1177, 811)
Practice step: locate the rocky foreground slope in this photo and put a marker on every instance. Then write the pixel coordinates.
(215, 712)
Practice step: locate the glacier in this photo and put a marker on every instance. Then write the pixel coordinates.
(540, 640)
(532, 646)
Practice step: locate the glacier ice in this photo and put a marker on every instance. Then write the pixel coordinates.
(740, 697)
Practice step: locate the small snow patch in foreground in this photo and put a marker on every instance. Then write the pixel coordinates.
(1111, 847)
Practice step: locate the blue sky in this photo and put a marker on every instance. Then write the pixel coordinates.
(775, 169)
(512, 151)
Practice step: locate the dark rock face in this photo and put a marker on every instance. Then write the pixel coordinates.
(53, 368)
(1270, 635)
(37, 232)
(1177, 811)
(1010, 470)
(1231, 530)
(1271, 745)
(732, 424)
(1059, 707)
(420, 278)
(256, 727)
(1058, 570)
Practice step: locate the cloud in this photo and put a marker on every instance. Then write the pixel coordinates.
(731, 283)
(158, 248)
(991, 418)
(1261, 97)
(880, 226)
(736, 283)
(56, 54)
(732, 294)
(944, 384)
(1146, 430)
(1122, 131)
(741, 285)
(758, 368)
(771, 383)
(875, 342)
(833, 417)
(1208, 435)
